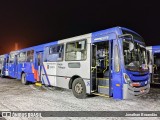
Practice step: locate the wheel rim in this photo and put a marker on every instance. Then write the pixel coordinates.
(78, 88)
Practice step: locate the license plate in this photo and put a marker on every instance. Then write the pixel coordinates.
(142, 90)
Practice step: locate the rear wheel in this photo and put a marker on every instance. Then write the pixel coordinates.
(23, 79)
(79, 88)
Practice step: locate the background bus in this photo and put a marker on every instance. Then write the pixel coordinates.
(24, 64)
(4, 65)
(154, 63)
(111, 62)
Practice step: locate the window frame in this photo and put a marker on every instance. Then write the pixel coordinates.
(56, 52)
(76, 51)
(32, 55)
(11, 60)
(20, 57)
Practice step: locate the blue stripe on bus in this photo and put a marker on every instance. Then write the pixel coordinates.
(43, 80)
(46, 74)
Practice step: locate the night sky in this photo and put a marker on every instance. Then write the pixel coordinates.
(34, 22)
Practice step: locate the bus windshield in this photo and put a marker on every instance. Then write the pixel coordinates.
(135, 60)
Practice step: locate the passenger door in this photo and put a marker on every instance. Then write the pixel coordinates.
(39, 61)
(93, 68)
(101, 67)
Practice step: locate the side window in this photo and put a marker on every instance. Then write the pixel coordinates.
(76, 50)
(116, 59)
(39, 59)
(7, 60)
(55, 53)
(22, 57)
(30, 55)
(11, 57)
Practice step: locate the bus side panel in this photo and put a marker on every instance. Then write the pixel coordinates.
(66, 70)
(29, 71)
(5, 66)
(6, 69)
(59, 73)
(20, 70)
(30, 77)
(11, 70)
(44, 75)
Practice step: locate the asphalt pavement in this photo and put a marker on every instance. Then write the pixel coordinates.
(17, 97)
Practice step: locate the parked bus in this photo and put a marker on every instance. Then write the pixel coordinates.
(24, 64)
(4, 65)
(154, 63)
(111, 62)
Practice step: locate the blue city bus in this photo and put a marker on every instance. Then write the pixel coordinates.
(24, 64)
(111, 63)
(154, 63)
(4, 65)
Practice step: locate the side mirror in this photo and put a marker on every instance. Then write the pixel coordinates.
(131, 46)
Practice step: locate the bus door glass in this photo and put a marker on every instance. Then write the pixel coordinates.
(6, 66)
(94, 68)
(39, 61)
(100, 68)
(15, 66)
(156, 68)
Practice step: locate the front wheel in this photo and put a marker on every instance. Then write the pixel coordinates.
(1, 75)
(79, 88)
(23, 79)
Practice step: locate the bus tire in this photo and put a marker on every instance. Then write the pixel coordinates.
(79, 88)
(23, 79)
(2, 76)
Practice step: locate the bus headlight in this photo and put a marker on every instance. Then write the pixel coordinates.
(126, 78)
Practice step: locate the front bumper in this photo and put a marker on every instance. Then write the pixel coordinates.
(6, 73)
(130, 92)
